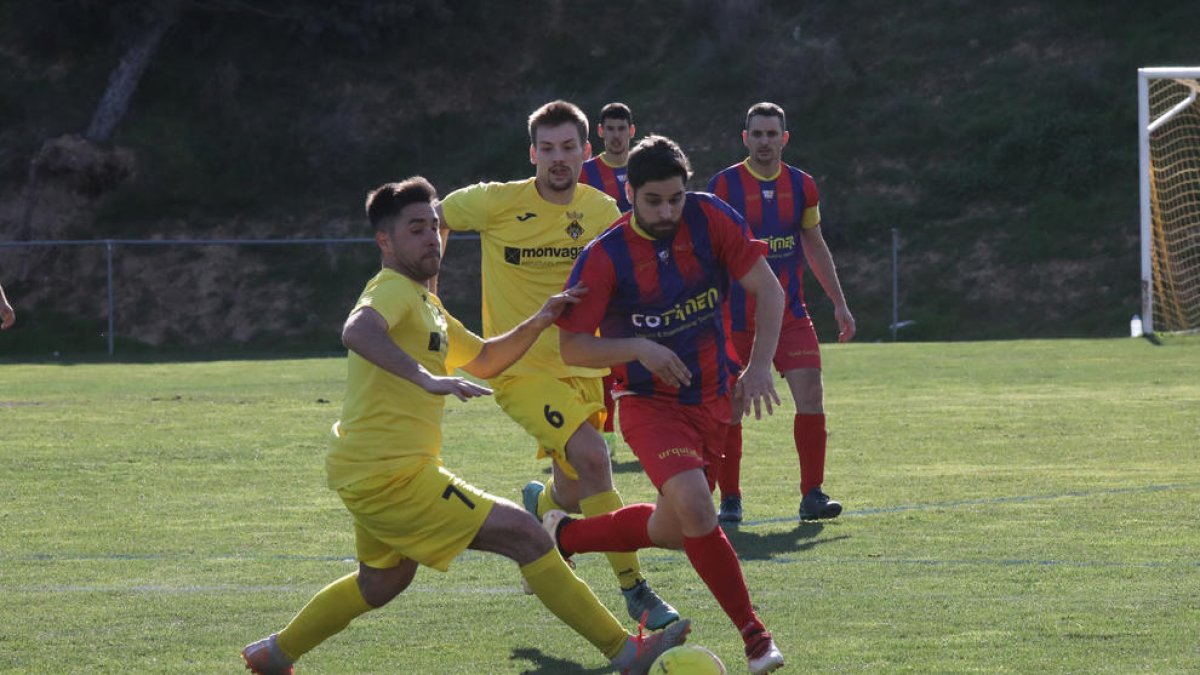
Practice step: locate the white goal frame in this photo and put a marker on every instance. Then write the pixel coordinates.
(1146, 126)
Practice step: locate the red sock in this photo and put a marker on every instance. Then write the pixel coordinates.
(610, 405)
(809, 431)
(621, 530)
(730, 472)
(717, 564)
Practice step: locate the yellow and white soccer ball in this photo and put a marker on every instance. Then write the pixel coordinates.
(687, 660)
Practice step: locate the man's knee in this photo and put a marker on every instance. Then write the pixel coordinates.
(380, 586)
(587, 452)
(807, 389)
(513, 533)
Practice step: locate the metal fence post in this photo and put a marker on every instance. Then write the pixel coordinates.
(108, 246)
(895, 283)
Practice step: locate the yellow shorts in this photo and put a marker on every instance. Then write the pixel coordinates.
(430, 516)
(551, 409)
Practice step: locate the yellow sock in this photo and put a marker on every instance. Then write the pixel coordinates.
(624, 565)
(546, 502)
(574, 604)
(329, 611)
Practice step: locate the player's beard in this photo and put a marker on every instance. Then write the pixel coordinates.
(659, 229)
(422, 269)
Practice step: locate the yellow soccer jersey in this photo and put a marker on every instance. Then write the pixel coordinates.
(387, 421)
(529, 246)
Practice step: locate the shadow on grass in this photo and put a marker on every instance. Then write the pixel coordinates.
(545, 664)
(632, 465)
(755, 546)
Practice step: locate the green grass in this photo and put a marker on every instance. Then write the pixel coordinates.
(1011, 507)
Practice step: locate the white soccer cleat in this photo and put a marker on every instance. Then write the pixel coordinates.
(765, 658)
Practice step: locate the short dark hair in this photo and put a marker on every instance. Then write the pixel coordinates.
(657, 158)
(766, 109)
(387, 201)
(555, 113)
(616, 111)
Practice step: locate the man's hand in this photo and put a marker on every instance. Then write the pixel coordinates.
(845, 321)
(754, 389)
(555, 305)
(459, 386)
(664, 363)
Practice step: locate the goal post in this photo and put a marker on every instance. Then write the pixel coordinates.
(1169, 151)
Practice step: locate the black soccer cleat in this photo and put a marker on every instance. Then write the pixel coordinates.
(817, 505)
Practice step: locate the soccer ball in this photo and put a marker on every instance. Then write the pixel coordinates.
(687, 660)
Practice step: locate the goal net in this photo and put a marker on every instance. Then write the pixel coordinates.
(1169, 126)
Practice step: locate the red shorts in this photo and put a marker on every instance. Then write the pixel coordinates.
(670, 438)
(797, 345)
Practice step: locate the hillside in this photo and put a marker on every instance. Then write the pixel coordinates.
(999, 141)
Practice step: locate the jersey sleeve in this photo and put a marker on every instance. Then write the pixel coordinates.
(389, 299)
(733, 245)
(468, 208)
(812, 203)
(595, 270)
(464, 345)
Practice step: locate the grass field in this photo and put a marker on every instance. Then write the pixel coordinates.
(1011, 507)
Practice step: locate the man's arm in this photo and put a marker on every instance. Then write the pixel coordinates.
(502, 351)
(366, 334)
(589, 351)
(820, 261)
(756, 384)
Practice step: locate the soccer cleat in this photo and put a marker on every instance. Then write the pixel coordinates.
(641, 650)
(763, 656)
(644, 604)
(529, 496)
(817, 504)
(266, 658)
(731, 509)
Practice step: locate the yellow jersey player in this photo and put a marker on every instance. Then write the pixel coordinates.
(532, 231)
(384, 462)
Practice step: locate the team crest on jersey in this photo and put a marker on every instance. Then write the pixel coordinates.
(664, 254)
(768, 194)
(574, 230)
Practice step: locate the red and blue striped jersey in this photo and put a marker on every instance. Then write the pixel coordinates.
(671, 291)
(776, 209)
(606, 178)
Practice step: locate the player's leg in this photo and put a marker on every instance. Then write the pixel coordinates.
(809, 434)
(610, 415)
(335, 606)
(394, 515)
(729, 476)
(512, 532)
(688, 496)
(587, 453)
(515, 534)
(799, 359)
(563, 415)
(552, 410)
(728, 470)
